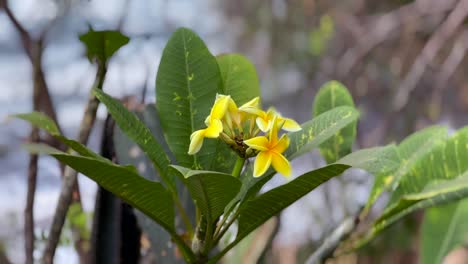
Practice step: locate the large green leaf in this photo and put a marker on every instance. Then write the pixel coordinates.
(126, 152)
(42, 121)
(256, 211)
(210, 190)
(103, 44)
(410, 151)
(443, 229)
(138, 132)
(313, 133)
(147, 196)
(240, 79)
(439, 177)
(413, 151)
(186, 85)
(319, 129)
(333, 94)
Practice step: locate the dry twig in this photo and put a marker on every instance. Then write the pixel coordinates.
(41, 102)
(384, 26)
(70, 176)
(429, 52)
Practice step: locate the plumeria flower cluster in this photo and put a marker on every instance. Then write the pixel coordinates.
(249, 131)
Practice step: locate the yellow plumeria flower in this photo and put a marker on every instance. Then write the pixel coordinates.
(213, 121)
(236, 114)
(271, 150)
(265, 119)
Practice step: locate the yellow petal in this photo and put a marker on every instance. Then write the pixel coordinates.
(252, 103)
(252, 110)
(262, 163)
(263, 124)
(258, 143)
(219, 107)
(271, 113)
(280, 164)
(214, 129)
(273, 135)
(196, 141)
(282, 145)
(291, 125)
(232, 107)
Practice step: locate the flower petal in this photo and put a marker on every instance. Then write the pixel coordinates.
(291, 125)
(258, 143)
(219, 107)
(280, 164)
(252, 103)
(262, 163)
(232, 107)
(214, 129)
(252, 110)
(273, 135)
(282, 145)
(263, 124)
(196, 141)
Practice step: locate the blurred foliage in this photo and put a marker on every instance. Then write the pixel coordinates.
(443, 229)
(102, 45)
(319, 37)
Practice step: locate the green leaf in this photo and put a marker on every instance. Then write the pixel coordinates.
(162, 246)
(210, 190)
(103, 44)
(41, 121)
(443, 229)
(313, 133)
(319, 129)
(138, 132)
(333, 94)
(410, 150)
(147, 196)
(439, 177)
(415, 148)
(257, 210)
(240, 79)
(186, 85)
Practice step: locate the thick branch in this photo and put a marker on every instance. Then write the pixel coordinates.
(70, 176)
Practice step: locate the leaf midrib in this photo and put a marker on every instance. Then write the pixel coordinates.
(189, 88)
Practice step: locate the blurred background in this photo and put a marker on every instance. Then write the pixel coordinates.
(403, 61)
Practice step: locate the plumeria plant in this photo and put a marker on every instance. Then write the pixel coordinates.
(210, 136)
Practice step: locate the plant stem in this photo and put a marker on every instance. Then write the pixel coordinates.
(223, 221)
(222, 231)
(238, 167)
(219, 231)
(185, 250)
